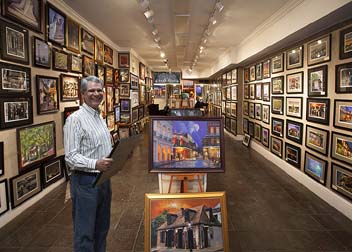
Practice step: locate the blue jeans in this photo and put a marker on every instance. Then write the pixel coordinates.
(90, 213)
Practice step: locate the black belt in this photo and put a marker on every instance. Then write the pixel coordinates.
(78, 172)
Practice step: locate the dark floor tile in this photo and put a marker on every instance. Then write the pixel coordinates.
(263, 240)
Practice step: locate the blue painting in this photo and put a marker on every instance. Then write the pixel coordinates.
(315, 167)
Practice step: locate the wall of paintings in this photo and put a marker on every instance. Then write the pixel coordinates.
(297, 105)
(44, 55)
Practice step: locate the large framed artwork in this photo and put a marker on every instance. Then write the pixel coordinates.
(277, 63)
(25, 186)
(294, 83)
(201, 151)
(75, 64)
(15, 112)
(88, 41)
(60, 60)
(343, 114)
(108, 54)
(346, 43)
(41, 53)
(266, 69)
(56, 23)
(294, 131)
(317, 81)
(69, 87)
(277, 85)
(318, 110)
(15, 80)
(99, 51)
(315, 167)
(116, 77)
(343, 80)
(341, 147)
(35, 144)
(110, 121)
(293, 155)
(73, 36)
(319, 50)
(2, 160)
(294, 58)
(294, 106)
(47, 94)
(52, 171)
(175, 222)
(317, 139)
(277, 105)
(124, 59)
(88, 66)
(14, 43)
(340, 180)
(4, 200)
(276, 146)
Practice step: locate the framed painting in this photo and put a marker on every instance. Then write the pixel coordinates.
(252, 73)
(265, 113)
(15, 80)
(116, 95)
(35, 144)
(252, 91)
(142, 94)
(251, 128)
(108, 54)
(277, 105)
(233, 126)
(14, 43)
(228, 78)
(277, 127)
(246, 140)
(233, 109)
(318, 110)
(265, 137)
(2, 160)
(276, 146)
(294, 58)
(117, 111)
(234, 93)
(47, 94)
(228, 93)
(246, 75)
(257, 132)
(317, 139)
(317, 81)
(277, 63)
(25, 186)
(69, 87)
(315, 167)
(259, 71)
(293, 155)
(100, 72)
(246, 91)
(125, 118)
(343, 114)
(294, 131)
(174, 221)
(41, 53)
(294, 107)
(109, 74)
(56, 23)
(258, 91)
(134, 114)
(134, 98)
(205, 154)
(75, 64)
(140, 112)
(319, 50)
(116, 77)
(346, 43)
(88, 66)
(343, 78)
(294, 83)
(258, 111)
(124, 90)
(15, 112)
(68, 111)
(251, 110)
(245, 108)
(245, 125)
(123, 59)
(141, 71)
(277, 85)
(340, 177)
(73, 36)
(124, 75)
(110, 121)
(341, 147)
(60, 60)
(88, 42)
(52, 171)
(99, 51)
(266, 91)
(4, 200)
(109, 92)
(125, 105)
(266, 69)
(134, 81)
(234, 76)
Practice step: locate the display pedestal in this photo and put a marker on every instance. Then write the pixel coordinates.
(182, 182)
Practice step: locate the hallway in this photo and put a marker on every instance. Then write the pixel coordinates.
(267, 210)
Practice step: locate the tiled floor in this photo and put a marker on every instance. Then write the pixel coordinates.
(267, 210)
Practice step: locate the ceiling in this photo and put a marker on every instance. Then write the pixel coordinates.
(181, 26)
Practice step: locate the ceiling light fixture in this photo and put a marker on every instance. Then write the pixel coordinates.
(219, 6)
(148, 13)
(162, 54)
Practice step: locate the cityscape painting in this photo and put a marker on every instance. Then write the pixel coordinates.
(191, 144)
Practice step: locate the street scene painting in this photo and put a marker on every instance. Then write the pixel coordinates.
(192, 144)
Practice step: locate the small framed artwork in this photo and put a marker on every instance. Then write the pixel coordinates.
(293, 155)
(317, 81)
(246, 91)
(25, 186)
(246, 75)
(109, 91)
(109, 75)
(110, 121)
(124, 90)
(251, 110)
(41, 53)
(134, 98)
(134, 81)
(234, 76)
(117, 111)
(266, 69)
(69, 87)
(142, 94)
(294, 58)
(141, 71)
(277, 126)
(228, 78)
(319, 50)
(259, 71)
(258, 111)
(124, 75)
(294, 106)
(277, 85)
(224, 79)
(68, 111)
(52, 171)
(317, 139)
(265, 113)
(252, 91)
(135, 114)
(340, 177)
(234, 93)
(251, 128)
(100, 72)
(318, 110)
(15, 80)
(276, 146)
(125, 105)
(294, 83)
(124, 59)
(35, 144)
(252, 73)
(15, 112)
(343, 114)
(56, 21)
(99, 51)
(125, 118)
(4, 200)
(47, 94)
(277, 105)
(277, 63)
(233, 126)
(60, 60)
(88, 66)
(14, 43)
(294, 131)
(245, 108)
(265, 137)
(116, 95)
(315, 167)
(266, 91)
(75, 64)
(182, 210)
(228, 93)
(343, 81)
(108, 55)
(228, 108)
(116, 77)
(346, 43)
(73, 34)
(258, 91)
(245, 125)
(257, 132)
(341, 147)
(246, 140)
(88, 41)
(2, 160)
(140, 112)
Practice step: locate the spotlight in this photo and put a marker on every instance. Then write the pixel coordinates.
(149, 13)
(157, 39)
(212, 20)
(162, 54)
(155, 32)
(219, 6)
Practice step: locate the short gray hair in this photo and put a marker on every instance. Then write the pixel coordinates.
(91, 78)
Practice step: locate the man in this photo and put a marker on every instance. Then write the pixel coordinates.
(199, 103)
(87, 144)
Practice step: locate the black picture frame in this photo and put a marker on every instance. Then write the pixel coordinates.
(317, 139)
(341, 147)
(52, 171)
(245, 125)
(251, 128)
(88, 66)
(15, 80)
(123, 59)
(4, 200)
(265, 136)
(134, 81)
(258, 91)
(108, 54)
(317, 81)
(259, 71)
(88, 42)
(56, 23)
(345, 43)
(277, 105)
(276, 146)
(60, 60)
(124, 90)
(293, 155)
(339, 180)
(258, 132)
(73, 36)
(294, 131)
(277, 127)
(295, 83)
(277, 63)
(252, 73)
(41, 53)
(343, 114)
(266, 113)
(318, 110)
(99, 51)
(100, 72)
(124, 75)
(246, 75)
(277, 85)
(294, 106)
(294, 58)
(69, 87)
(134, 117)
(2, 160)
(47, 92)
(343, 78)
(266, 91)
(109, 75)
(75, 62)
(15, 112)
(319, 50)
(315, 167)
(258, 111)
(266, 69)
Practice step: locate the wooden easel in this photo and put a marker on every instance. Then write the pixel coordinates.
(184, 178)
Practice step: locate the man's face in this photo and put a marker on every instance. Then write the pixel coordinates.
(94, 94)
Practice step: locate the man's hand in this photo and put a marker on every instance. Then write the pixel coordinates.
(103, 164)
